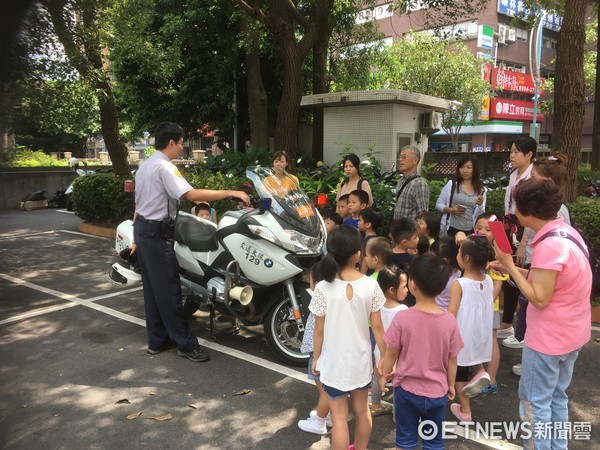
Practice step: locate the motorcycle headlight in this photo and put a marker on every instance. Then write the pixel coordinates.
(265, 233)
(303, 243)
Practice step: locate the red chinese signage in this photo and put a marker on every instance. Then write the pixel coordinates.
(504, 108)
(508, 80)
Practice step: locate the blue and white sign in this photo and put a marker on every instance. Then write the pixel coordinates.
(517, 7)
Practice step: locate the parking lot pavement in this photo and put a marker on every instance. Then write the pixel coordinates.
(74, 366)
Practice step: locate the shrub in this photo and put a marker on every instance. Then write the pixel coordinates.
(21, 156)
(235, 163)
(99, 197)
(585, 213)
(200, 177)
(495, 201)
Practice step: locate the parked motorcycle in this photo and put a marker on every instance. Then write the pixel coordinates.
(593, 188)
(252, 267)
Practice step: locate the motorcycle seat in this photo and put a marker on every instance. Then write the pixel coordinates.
(197, 235)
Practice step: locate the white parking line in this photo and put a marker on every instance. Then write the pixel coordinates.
(89, 303)
(84, 234)
(74, 299)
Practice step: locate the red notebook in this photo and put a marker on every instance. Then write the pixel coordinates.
(500, 236)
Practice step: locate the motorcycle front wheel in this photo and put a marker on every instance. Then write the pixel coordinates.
(281, 331)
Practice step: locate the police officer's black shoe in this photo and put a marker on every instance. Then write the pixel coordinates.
(196, 355)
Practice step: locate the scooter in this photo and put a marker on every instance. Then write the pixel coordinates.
(253, 267)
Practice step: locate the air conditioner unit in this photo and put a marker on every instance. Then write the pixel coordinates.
(511, 35)
(432, 121)
(502, 33)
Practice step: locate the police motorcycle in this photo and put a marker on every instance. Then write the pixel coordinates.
(253, 267)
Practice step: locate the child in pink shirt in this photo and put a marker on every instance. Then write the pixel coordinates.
(423, 343)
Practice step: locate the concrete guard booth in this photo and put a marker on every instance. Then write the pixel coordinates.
(384, 120)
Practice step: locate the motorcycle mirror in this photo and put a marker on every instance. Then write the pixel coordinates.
(265, 204)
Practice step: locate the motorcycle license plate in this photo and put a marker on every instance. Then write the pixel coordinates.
(305, 211)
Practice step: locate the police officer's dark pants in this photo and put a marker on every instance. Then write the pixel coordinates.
(162, 289)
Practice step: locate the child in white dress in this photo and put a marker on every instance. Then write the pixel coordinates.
(343, 303)
(472, 302)
(393, 283)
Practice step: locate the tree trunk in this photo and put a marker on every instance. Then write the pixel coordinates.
(286, 129)
(257, 96)
(595, 160)
(319, 87)
(319, 78)
(569, 91)
(86, 58)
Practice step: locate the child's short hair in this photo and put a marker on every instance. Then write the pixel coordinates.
(430, 273)
(478, 249)
(369, 215)
(362, 196)
(403, 228)
(423, 245)
(389, 277)
(446, 248)
(380, 247)
(203, 206)
(334, 217)
(344, 198)
(432, 219)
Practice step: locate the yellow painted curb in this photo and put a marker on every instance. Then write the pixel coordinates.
(97, 230)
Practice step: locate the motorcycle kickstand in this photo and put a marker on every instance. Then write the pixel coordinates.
(236, 326)
(211, 309)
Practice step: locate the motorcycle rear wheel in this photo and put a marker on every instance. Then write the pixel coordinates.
(282, 334)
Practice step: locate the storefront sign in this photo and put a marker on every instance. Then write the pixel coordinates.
(485, 109)
(485, 37)
(517, 7)
(379, 12)
(509, 80)
(504, 108)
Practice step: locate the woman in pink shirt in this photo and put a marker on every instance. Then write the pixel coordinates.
(558, 288)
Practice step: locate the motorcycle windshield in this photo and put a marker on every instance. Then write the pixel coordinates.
(288, 200)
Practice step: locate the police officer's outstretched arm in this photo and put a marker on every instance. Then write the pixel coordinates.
(207, 195)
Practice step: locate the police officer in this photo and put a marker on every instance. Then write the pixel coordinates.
(158, 188)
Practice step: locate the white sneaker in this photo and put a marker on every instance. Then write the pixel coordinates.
(504, 333)
(516, 369)
(313, 425)
(512, 342)
(328, 421)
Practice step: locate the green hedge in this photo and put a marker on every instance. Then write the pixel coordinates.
(99, 197)
(585, 212)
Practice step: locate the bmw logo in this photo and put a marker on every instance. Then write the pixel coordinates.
(268, 263)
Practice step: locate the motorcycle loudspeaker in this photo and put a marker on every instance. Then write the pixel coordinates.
(243, 294)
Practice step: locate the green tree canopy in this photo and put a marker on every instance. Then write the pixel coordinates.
(441, 68)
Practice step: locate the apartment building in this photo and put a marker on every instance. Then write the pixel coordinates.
(492, 34)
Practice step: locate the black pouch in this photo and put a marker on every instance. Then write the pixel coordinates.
(167, 228)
